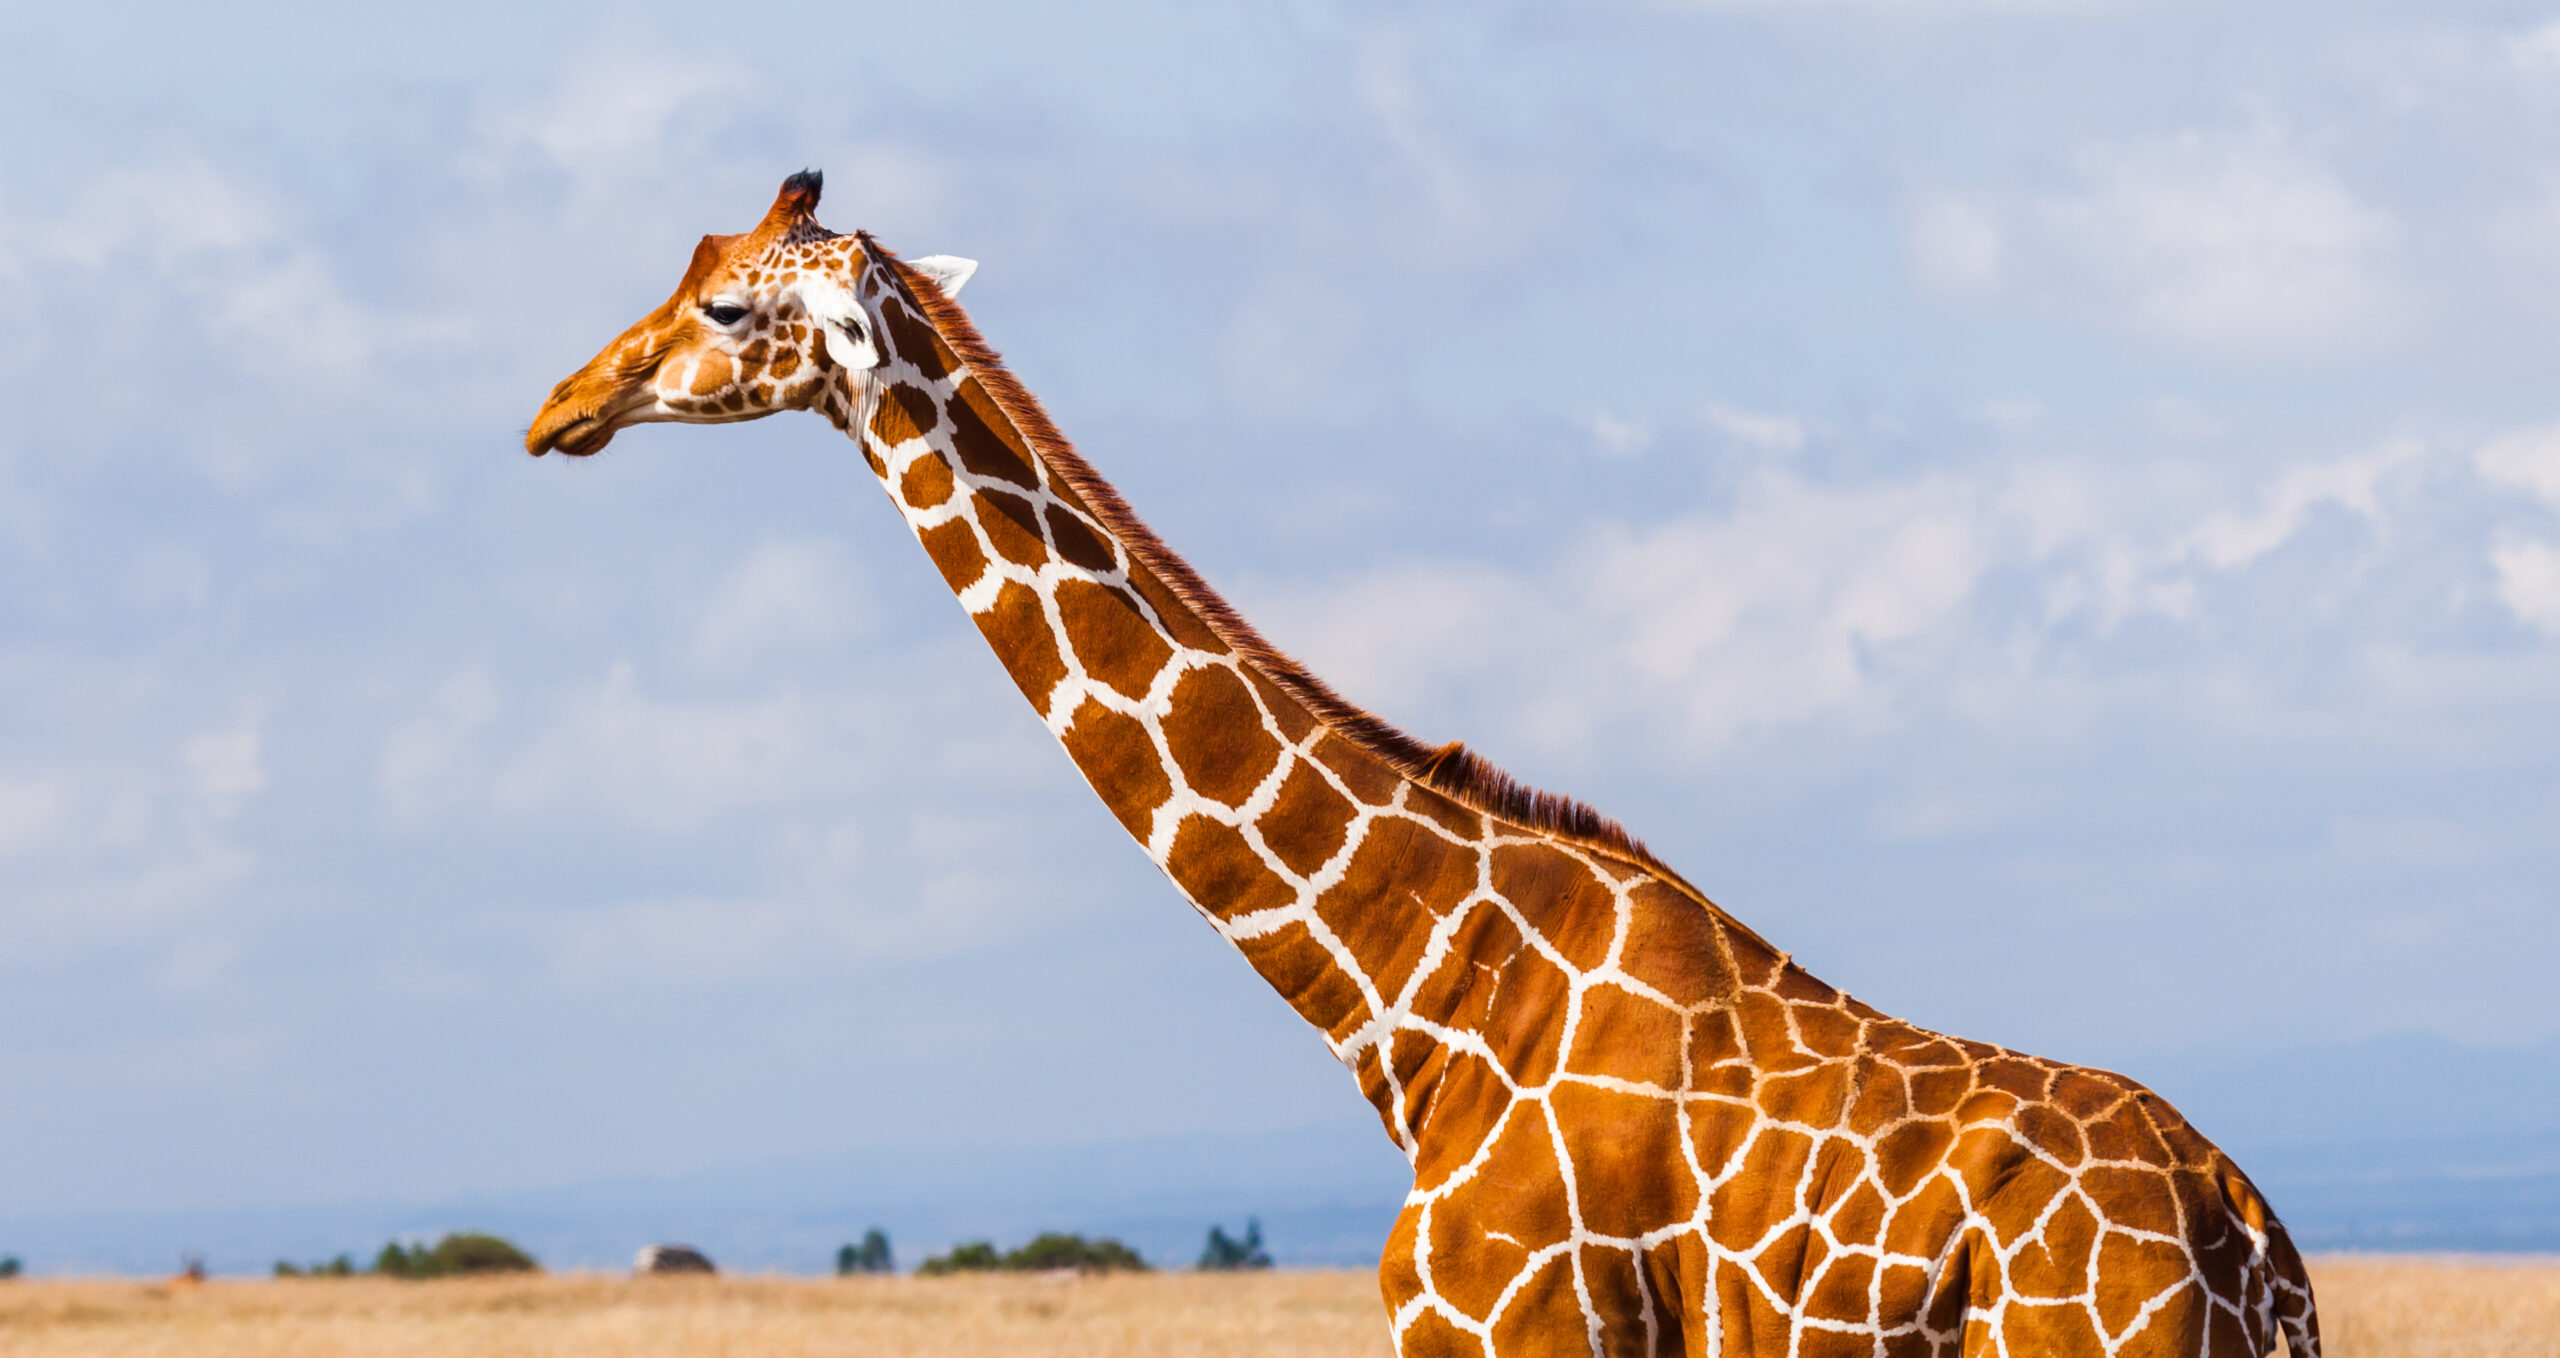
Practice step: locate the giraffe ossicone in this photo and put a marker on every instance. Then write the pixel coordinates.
(1635, 1127)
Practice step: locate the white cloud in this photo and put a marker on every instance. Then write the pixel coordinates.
(619, 107)
(697, 941)
(29, 813)
(617, 752)
(1283, 346)
(227, 769)
(1902, 8)
(2230, 540)
(2538, 50)
(1768, 433)
(2529, 582)
(785, 595)
(1389, 636)
(2109, 550)
(1620, 438)
(1806, 600)
(1956, 245)
(100, 851)
(424, 756)
(141, 237)
(1712, 623)
(2528, 460)
(2231, 243)
(2010, 414)
(1772, 613)
(604, 754)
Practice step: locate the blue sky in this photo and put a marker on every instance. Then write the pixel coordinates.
(2050, 510)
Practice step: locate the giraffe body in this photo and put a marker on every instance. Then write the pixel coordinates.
(1635, 1127)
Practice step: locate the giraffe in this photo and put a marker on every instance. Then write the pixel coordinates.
(1635, 1126)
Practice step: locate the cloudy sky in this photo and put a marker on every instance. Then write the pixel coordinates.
(2050, 510)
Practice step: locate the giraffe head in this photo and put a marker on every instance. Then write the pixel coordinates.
(769, 320)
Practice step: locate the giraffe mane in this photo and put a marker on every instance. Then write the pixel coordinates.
(1452, 769)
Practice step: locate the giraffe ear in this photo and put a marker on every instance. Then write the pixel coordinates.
(840, 318)
(948, 272)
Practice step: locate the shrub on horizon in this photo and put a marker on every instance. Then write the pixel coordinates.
(10, 1267)
(343, 1266)
(977, 1256)
(458, 1254)
(1226, 1254)
(871, 1256)
(1055, 1250)
(1050, 1250)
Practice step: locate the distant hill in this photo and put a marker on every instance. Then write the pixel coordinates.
(2406, 1142)
(2399, 1143)
(1325, 1194)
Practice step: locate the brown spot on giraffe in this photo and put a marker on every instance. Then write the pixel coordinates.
(927, 483)
(1121, 762)
(1109, 638)
(1308, 822)
(1216, 737)
(1635, 1126)
(1078, 541)
(1016, 627)
(1012, 527)
(954, 549)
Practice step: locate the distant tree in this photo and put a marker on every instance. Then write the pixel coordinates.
(1226, 1254)
(1047, 1251)
(977, 1256)
(340, 1267)
(1055, 1250)
(871, 1256)
(458, 1253)
(10, 1267)
(478, 1252)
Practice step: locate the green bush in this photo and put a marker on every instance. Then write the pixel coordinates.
(1048, 1250)
(1052, 1250)
(1226, 1254)
(459, 1253)
(871, 1256)
(10, 1267)
(340, 1267)
(978, 1256)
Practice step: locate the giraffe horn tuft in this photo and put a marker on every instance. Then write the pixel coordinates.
(799, 196)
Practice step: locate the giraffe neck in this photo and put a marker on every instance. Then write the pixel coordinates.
(1328, 862)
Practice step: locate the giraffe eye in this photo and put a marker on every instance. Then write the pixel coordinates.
(725, 313)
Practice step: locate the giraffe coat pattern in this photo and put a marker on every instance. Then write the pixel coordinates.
(1635, 1127)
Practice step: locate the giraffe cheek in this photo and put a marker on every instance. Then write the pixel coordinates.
(713, 372)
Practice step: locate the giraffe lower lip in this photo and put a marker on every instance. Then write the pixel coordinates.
(582, 439)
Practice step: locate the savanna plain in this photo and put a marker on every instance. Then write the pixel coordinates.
(2371, 1308)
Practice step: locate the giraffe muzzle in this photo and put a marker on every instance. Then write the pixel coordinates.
(583, 436)
(577, 423)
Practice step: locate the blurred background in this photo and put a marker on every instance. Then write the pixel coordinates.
(2049, 510)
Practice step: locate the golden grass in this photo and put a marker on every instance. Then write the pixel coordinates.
(1289, 1315)
(2438, 1308)
(2372, 1308)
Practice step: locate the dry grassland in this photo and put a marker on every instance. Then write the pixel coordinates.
(2372, 1309)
